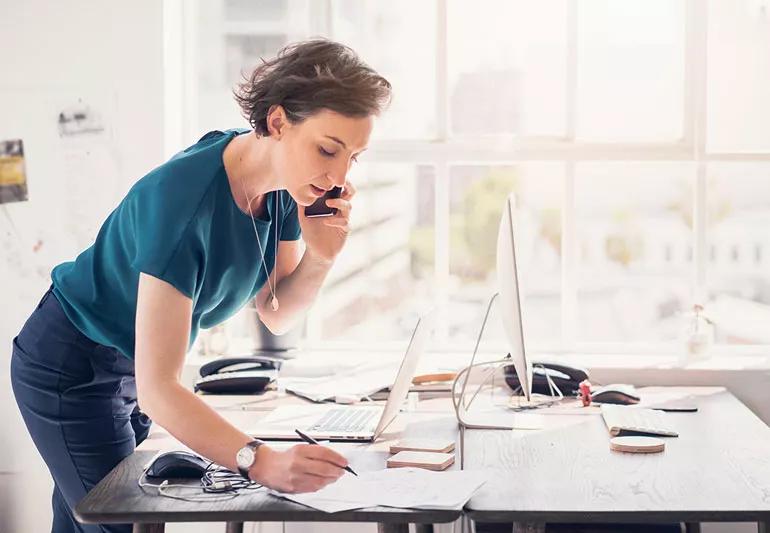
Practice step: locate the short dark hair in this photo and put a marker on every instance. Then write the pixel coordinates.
(309, 76)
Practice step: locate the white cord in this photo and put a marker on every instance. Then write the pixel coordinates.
(456, 402)
(216, 484)
(162, 491)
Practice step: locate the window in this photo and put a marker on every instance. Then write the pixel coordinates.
(630, 70)
(634, 134)
(738, 78)
(511, 81)
(383, 278)
(634, 229)
(401, 48)
(475, 193)
(738, 211)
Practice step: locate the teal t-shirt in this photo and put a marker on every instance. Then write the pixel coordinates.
(180, 224)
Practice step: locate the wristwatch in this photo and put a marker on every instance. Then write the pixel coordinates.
(246, 456)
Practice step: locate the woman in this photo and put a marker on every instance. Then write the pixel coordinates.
(189, 245)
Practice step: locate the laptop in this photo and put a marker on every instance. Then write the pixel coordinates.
(358, 423)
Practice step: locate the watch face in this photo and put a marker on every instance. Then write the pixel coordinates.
(245, 457)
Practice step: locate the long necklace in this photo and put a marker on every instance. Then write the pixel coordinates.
(271, 286)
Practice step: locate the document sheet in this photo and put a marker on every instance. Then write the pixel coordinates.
(414, 488)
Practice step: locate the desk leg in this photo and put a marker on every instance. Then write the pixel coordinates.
(763, 527)
(149, 528)
(234, 527)
(692, 527)
(392, 528)
(528, 527)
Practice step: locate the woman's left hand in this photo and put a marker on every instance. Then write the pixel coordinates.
(325, 236)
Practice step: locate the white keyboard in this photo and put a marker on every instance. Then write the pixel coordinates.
(626, 419)
(347, 419)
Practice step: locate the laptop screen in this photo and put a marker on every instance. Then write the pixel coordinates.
(406, 372)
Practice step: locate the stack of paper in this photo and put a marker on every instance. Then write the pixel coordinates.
(396, 487)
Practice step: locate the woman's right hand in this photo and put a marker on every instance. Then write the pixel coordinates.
(301, 468)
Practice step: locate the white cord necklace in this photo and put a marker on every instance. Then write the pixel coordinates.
(272, 287)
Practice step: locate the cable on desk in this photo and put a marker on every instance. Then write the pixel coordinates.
(217, 484)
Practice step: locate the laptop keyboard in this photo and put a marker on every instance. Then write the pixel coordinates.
(346, 420)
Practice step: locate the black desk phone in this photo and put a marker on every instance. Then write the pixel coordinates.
(237, 375)
(566, 378)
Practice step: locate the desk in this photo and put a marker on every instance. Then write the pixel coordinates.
(717, 470)
(118, 499)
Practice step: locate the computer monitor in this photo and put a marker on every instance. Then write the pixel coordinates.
(510, 304)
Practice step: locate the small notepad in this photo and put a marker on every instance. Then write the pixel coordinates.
(427, 460)
(423, 445)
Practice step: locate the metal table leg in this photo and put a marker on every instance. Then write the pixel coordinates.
(528, 527)
(392, 528)
(234, 527)
(149, 528)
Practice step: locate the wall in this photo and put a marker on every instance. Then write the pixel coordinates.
(107, 55)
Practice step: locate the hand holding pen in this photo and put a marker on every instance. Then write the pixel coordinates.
(311, 440)
(301, 468)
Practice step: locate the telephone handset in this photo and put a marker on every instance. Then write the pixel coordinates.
(566, 378)
(237, 375)
(319, 207)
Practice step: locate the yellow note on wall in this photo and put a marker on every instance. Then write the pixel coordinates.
(13, 176)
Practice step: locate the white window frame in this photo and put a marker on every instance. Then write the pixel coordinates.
(443, 152)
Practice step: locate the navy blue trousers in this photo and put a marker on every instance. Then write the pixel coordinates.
(78, 400)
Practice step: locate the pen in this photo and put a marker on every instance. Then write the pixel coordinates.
(311, 440)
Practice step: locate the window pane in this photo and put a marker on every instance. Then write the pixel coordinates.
(507, 67)
(231, 37)
(382, 279)
(242, 53)
(738, 76)
(634, 223)
(739, 252)
(398, 39)
(250, 10)
(630, 70)
(477, 196)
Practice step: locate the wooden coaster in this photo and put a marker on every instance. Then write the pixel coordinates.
(428, 460)
(637, 444)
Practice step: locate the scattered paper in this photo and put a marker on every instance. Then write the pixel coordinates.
(359, 381)
(414, 488)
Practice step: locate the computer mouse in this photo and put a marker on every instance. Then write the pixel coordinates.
(178, 464)
(616, 393)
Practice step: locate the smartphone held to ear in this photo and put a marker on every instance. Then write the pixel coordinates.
(319, 207)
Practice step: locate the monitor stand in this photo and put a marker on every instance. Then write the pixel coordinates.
(516, 415)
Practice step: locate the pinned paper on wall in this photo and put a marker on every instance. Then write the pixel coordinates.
(88, 160)
(13, 176)
(79, 119)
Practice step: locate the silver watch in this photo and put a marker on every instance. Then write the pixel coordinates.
(246, 456)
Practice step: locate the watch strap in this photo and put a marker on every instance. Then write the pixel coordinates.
(254, 445)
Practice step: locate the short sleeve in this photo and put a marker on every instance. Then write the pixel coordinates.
(168, 244)
(290, 230)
